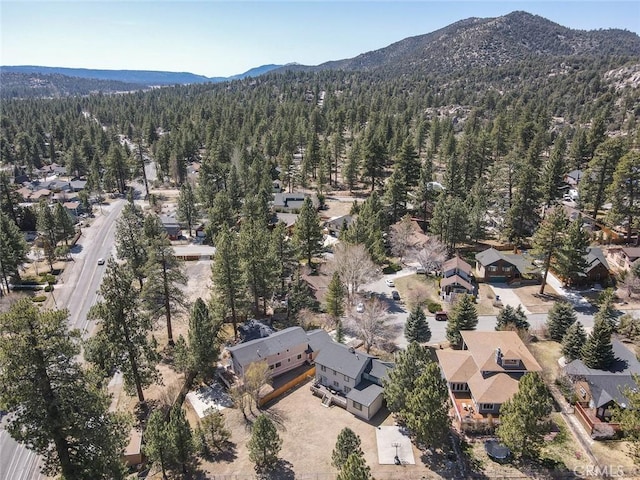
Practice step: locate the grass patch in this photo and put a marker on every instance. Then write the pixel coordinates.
(418, 290)
(547, 353)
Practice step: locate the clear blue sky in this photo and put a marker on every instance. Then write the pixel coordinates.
(217, 38)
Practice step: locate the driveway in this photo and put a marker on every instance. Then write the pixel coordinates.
(507, 296)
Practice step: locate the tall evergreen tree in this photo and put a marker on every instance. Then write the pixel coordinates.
(334, 299)
(426, 411)
(181, 436)
(130, 244)
(597, 352)
(410, 364)
(13, 251)
(570, 260)
(524, 418)
(158, 446)
(573, 341)
(307, 234)
(464, 316)
(355, 468)
(560, 318)
(548, 239)
(416, 329)
(347, 443)
(624, 192)
(264, 445)
(425, 194)
(227, 275)
(54, 406)
(122, 341)
(510, 318)
(187, 206)
(162, 293)
(64, 223)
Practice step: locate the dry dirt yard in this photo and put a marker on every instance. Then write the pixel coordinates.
(309, 431)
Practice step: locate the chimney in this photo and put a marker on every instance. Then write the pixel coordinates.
(498, 356)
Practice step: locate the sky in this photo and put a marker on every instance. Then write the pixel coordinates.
(223, 38)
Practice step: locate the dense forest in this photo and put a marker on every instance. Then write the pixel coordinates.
(474, 146)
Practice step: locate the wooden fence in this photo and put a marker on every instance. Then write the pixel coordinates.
(303, 377)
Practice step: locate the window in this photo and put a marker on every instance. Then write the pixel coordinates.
(270, 367)
(335, 373)
(486, 406)
(278, 364)
(323, 368)
(346, 379)
(299, 356)
(506, 269)
(492, 268)
(336, 383)
(347, 389)
(357, 406)
(288, 360)
(511, 361)
(583, 393)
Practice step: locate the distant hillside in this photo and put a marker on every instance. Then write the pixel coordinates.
(480, 43)
(32, 85)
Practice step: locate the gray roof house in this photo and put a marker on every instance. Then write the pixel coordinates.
(495, 266)
(291, 202)
(354, 376)
(599, 390)
(283, 350)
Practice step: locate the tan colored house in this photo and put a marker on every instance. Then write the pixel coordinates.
(484, 374)
(283, 351)
(622, 258)
(457, 277)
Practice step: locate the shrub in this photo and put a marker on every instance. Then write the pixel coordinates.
(39, 298)
(391, 268)
(434, 307)
(48, 288)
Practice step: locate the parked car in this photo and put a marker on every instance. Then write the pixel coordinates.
(442, 316)
(101, 261)
(395, 295)
(421, 270)
(389, 282)
(360, 307)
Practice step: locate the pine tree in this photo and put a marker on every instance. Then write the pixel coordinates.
(510, 318)
(629, 418)
(560, 318)
(426, 411)
(307, 234)
(347, 443)
(122, 341)
(425, 194)
(130, 244)
(355, 468)
(624, 192)
(339, 331)
(396, 195)
(409, 365)
(264, 445)
(162, 293)
(216, 435)
(13, 251)
(54, 406)
(158, 446)
(570, 261)
(573, 341)
(464, 316)
(204, 346)
(524, 418)
(548, 239)
(181, 436)
(417, 328)
(334, 299)
(64, 223)
(187, 205)
(227, 275)
(597, 352)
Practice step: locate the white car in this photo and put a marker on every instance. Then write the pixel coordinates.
(389, 282)
(360, 307)
(101, 261)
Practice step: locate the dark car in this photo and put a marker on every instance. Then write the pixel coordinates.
(395, 295)
(442, 316)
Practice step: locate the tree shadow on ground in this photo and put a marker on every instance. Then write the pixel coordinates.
(282, 471)
(227, 455)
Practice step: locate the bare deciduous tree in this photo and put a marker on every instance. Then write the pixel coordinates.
(629, 284)
(430, 254)
(403, 236)
(372, 325)
(256, 377)
(354, 265)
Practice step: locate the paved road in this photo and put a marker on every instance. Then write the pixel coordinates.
(78, 293)
(399, 313)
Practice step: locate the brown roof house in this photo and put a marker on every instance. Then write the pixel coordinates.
(457, 277)
(493, 266)
(484, 375)
(597, 270)
(598, 391)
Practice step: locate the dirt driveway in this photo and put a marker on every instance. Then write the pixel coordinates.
(309, 431)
